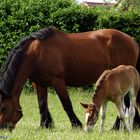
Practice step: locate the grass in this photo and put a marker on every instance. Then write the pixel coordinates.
(28, 127)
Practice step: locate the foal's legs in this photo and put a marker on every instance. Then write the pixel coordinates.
(116, 125)
(103, 116)
(132, 109)
(131, 115)
(121, 112)
(60, 87)
(45, 116)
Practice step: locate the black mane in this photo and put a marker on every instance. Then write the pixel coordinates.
(15, 58)
(44, 33)
(11, 66)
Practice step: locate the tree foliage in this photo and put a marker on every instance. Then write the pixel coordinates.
(128, 5)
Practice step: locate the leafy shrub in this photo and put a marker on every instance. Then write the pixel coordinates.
(20, 18)
(75, 19)
(128, 22)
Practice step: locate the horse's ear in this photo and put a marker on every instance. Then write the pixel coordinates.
(84, 105)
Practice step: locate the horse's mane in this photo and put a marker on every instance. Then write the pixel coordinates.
(99, 82)
(44, 33)
(10, 68)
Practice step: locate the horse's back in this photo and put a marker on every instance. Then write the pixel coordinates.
(108, 43)
(124, 72)
(80, 58)
(119, 43)
(121, 79)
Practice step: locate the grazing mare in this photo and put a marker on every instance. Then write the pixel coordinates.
(50, 57)
(113, 85)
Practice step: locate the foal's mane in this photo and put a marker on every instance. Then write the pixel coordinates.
(14, 60)
(99, 82)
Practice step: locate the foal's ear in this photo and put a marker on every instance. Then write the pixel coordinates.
(84, 105)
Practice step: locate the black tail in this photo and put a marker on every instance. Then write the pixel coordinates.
(138, 69)
(11, 66)
(138, 100)
(137, 116)
(138, 62)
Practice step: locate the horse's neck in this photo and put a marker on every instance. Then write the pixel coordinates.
(18, 86)
(98, 99)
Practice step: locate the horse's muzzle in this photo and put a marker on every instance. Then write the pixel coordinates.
(8, 126)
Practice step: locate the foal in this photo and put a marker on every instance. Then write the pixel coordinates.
(113, 85)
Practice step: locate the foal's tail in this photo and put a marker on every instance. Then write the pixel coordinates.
(138, 101)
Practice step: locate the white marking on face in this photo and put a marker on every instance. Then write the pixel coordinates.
(87, 127)
(87, 115)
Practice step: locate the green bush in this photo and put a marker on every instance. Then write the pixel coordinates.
(20, 18)
(75, 19)
(128, 22)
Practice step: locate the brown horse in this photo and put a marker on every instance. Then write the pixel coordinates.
(113, 85)
(50, 57)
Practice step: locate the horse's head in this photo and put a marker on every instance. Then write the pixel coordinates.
(91, 116)
(9, 114)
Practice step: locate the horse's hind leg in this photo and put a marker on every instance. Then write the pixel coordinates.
(132, 109)
(131, 115)
(60, 87)
(45, 116)
(121, 113)
(117, 123)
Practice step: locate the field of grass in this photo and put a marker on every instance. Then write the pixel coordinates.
(28, 127)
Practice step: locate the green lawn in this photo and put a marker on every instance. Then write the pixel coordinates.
(28, 127)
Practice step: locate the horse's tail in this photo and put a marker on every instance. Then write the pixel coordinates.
(138, 96)
(137, 116)
(138, 62)
(138, 69)
(138, 100)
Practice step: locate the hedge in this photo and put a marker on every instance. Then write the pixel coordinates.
(20, 18)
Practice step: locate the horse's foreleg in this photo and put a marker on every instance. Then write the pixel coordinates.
(60, 87)
(103, 116)
(45, 116)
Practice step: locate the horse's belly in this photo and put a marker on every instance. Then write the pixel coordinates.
(81, 78)
(79, 83)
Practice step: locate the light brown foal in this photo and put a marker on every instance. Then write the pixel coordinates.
(113, 85)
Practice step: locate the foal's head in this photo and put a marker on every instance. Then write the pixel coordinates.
(91, 116)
